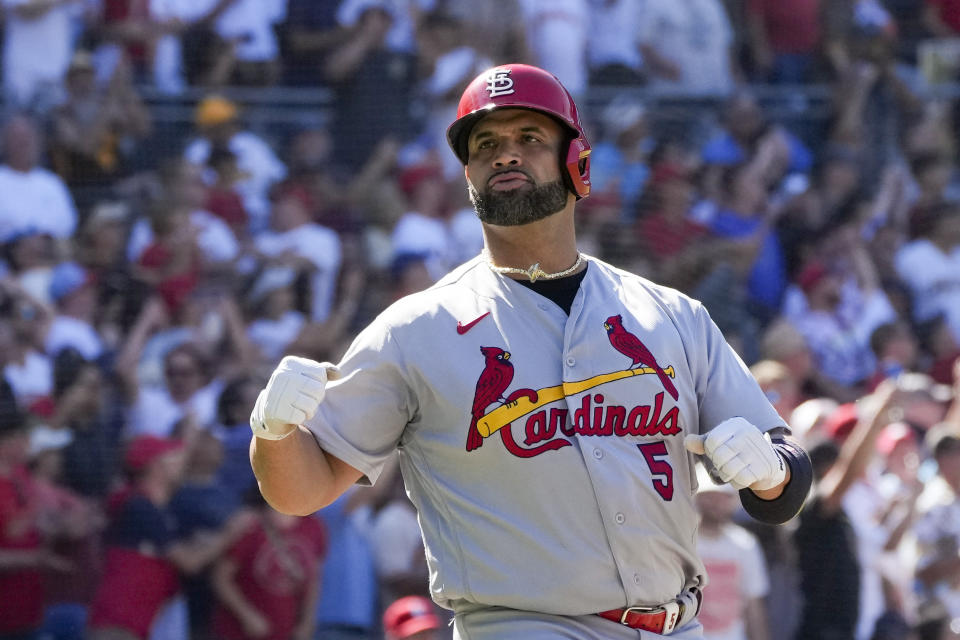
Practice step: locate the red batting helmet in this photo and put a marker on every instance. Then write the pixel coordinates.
(520, 86)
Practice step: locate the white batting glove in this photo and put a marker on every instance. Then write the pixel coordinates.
(291, 397)
(741, 454)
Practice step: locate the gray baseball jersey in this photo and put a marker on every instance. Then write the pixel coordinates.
(543, 452)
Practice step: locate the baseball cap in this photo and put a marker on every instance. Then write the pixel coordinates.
(841, 422)
(812, 275)
(408, 616)
(892, 435)
(145, 449)
(67, 277)
(214, 110)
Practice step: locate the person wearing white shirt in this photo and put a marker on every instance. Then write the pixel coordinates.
(696, 38)
(557, 36)
(72, 290)
(613, 52)
(930, 265)
(296, 241)
(34, 199)
(38, 43)
(217, 122)
(737, 579)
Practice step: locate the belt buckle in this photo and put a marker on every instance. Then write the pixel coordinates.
(628, 610)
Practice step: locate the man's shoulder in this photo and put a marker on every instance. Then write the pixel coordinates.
(459, 287)
(666, 297)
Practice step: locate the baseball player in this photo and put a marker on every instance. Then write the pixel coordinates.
(547, 407)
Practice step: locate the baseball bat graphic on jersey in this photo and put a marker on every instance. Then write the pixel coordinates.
(505, 414)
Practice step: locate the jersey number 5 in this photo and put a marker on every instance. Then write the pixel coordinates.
(653, 453)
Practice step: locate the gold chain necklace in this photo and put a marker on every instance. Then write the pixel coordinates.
(535, 272)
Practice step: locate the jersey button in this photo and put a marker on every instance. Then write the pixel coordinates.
(636, 578)
(571, 361)
(619, 518)
(598, 453)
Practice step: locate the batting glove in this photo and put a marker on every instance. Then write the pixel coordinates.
(291, 397)
(741, 454)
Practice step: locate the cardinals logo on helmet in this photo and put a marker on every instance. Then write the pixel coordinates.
(499, 83)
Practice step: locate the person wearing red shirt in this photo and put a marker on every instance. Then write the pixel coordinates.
(23, 557)
(267, 583)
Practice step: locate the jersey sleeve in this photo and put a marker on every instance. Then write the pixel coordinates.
(365, 411)
(725, 387)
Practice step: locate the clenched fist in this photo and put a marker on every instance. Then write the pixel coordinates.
(741, 454)
(291, 397)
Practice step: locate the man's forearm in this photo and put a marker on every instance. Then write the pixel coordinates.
(296, 476)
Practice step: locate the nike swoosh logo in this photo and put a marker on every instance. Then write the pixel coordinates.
(463, 328)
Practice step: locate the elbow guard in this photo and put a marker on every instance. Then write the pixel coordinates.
(791, 500)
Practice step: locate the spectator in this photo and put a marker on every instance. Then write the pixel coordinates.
(411, 618)
(930, 264)
(233, 415)
(347, 611)
(784, 38)
(144, 553)
(307, 37)
(361, 70)
(733, 601)
(779, 385)
(96, 128)
(247, 28)
(23, 555)
(38, 42)
(30, 188)
(496, 30)
(557, 32)
(942, 18)
(746, 130)
(180, 212)
(941, 347)
(938, 534)
(838, 322)
(87, 405)
(185, 45)
(895, 349)
(72, 526)
(619, 161)
(267, 582)
(73, 291)
(277, 322)
(688, 46)
(309, 248)
(187, 390)
(826, 542)
(27, 370)
(423, 230)
(613, 52)
(217, 123)
(202, 506)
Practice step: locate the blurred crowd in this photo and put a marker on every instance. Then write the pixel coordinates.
(151, 278)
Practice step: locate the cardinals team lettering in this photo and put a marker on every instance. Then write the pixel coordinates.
(547, 429)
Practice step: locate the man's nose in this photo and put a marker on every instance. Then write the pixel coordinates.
(508, 155)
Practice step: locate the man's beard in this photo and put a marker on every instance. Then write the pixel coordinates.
(518, 206)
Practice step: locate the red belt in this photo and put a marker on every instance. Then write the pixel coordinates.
(662, 619)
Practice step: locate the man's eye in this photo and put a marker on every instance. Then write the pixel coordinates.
(531, 138)
(486, 144)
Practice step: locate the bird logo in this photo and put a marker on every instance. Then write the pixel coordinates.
(496, 377)
(631, 346)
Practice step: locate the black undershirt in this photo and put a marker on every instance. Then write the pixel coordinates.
(562, 290)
